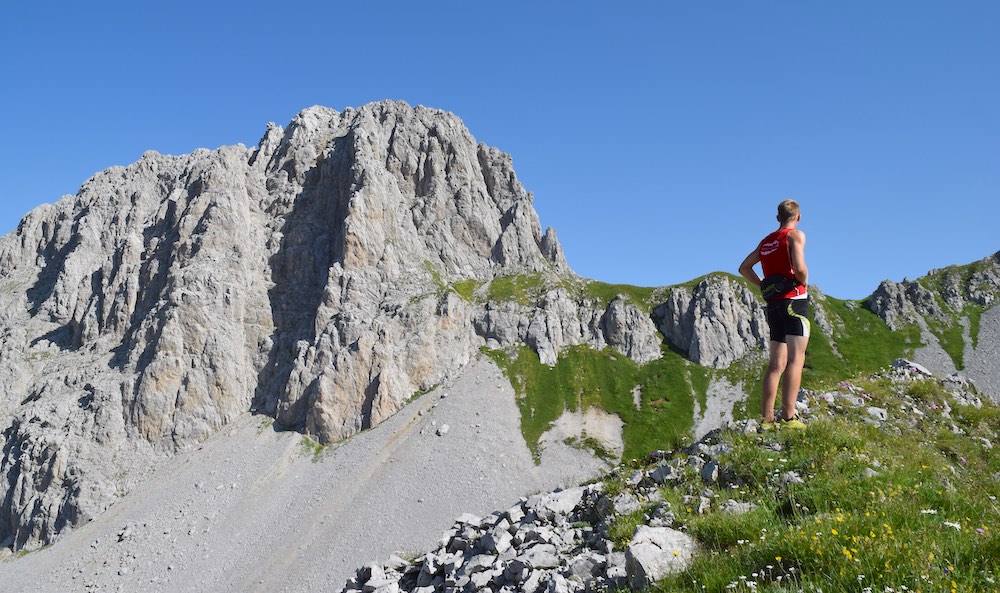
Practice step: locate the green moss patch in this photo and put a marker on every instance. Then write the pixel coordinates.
(523, 289)
(467, 288)
(584, 377)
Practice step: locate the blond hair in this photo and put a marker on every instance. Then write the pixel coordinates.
(788, 210)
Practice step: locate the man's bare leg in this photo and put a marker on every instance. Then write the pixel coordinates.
(777, 357)
(796, 357)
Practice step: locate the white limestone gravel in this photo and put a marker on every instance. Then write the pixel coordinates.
(981, 363)
(253, 509)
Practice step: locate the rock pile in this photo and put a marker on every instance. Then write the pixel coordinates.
(555, 542)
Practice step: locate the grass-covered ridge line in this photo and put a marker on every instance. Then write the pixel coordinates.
(604, 293)
(861, 343)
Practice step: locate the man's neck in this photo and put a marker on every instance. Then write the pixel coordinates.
(788, 225)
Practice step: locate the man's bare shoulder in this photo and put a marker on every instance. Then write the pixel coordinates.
(797, 236)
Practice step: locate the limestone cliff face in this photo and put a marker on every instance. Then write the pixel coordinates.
(307, 278)
(715, 323)
(899, 303)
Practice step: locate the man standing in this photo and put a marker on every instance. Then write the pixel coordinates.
(782, 257)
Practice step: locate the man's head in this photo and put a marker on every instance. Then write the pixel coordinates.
(788, 211)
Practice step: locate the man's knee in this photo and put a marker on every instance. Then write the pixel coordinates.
(797, 350)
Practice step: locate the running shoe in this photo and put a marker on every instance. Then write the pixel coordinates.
(793, 424)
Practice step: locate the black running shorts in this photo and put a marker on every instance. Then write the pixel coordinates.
(788, 317)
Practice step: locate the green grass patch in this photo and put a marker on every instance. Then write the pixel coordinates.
(589, 443)
(432, 269)
(312, 447)
(863, 343)
(926, 520)
(951, 338)
(975, 316)
(605, 293)
(584, 378)
(523, 289)
(24, 552)
(467, 288)
(623, 528)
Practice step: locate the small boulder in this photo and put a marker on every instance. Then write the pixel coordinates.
(710, 473)
(664, 473)
(735, 507)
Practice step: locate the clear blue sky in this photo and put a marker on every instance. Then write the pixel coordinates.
(657, 137)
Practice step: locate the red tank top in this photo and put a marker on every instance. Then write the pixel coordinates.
(775, 258)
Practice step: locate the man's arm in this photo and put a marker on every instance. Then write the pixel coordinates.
(746, 268)
(797, 253)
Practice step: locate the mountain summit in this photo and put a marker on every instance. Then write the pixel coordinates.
(309, 279)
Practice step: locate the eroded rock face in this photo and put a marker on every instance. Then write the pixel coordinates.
(306, 279)
(714, 324)
(900, 303)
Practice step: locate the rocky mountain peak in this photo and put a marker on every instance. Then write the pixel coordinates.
(307, 278)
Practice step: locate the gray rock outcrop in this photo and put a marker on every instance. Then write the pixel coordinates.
(714, 324)
(899, 303)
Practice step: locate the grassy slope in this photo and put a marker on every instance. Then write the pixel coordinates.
(669, 385)
(584, 377)
(927, 520)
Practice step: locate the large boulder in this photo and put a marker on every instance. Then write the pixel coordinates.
(655, 552)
